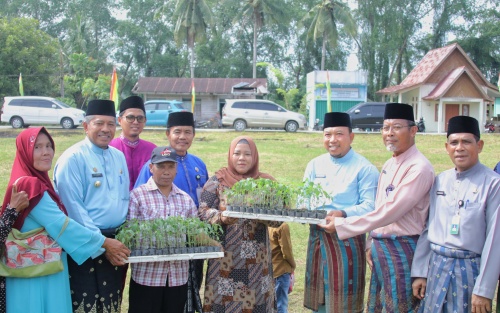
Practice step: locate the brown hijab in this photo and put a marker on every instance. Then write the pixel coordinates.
(228, 176)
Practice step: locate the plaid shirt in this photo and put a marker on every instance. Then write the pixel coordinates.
(146, 203)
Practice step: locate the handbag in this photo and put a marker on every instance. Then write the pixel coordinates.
(31, 254)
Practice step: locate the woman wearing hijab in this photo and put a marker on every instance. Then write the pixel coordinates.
(51, 293)
(243, 278)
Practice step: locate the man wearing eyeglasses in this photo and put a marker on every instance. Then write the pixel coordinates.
(456, 264)
(132, 118)
(401, 209)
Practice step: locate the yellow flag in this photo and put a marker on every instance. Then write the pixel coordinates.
(113, 93)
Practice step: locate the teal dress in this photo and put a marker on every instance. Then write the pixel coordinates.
(51, 293)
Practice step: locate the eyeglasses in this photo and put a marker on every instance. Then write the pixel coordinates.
(395, 128)
(132, 118)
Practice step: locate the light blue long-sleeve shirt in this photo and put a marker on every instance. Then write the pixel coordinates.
(351, 181)
(93, 184)
(191, 175)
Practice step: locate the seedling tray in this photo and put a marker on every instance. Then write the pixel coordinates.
(174, 257)
(270, 217)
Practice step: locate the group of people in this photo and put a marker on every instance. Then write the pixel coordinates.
(429, 246)
(430, 243)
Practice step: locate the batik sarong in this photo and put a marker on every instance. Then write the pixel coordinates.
(450, 280)
(390, 283)
(95, 285)
(335, 272)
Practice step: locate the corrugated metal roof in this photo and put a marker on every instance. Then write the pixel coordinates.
(173, 85)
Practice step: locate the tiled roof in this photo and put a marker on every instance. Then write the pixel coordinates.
(172, 85)
(423, 70)
(447, 82)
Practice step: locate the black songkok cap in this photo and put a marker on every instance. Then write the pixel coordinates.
(399, 111)
(180, 119)
(101, 107)
(336, 119)
(463, 124)
(132, 102)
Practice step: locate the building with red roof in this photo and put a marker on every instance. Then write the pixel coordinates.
(444, 84)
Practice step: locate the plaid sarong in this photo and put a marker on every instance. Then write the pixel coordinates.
(335, 272)
(390, 283)
(450, 281)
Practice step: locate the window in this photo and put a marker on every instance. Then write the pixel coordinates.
(378, 110)
(164, 106)
(37, 104)
(150, 106)
(239, 105)
(16, 103)
(264, 106)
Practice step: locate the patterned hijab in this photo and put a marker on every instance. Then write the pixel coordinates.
(228, 176)
(34, 182)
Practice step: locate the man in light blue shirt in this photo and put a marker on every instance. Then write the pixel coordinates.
(92, 180)
(351, 181)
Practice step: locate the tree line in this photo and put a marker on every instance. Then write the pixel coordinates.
(68, 48)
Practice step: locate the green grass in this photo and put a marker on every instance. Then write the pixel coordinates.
(282, 155)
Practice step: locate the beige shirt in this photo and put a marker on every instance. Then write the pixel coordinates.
(402, 201)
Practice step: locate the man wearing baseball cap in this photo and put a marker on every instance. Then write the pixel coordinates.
(160, 286)
(456, 263)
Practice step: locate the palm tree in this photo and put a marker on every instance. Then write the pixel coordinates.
(326, 17)
(193, 17)
(261, 11)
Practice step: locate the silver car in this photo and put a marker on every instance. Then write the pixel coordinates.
(248, 113)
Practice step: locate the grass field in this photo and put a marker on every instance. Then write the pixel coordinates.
(283, 155)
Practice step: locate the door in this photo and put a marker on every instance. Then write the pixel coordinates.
(361, 117)
(152, 117)
(274, 116)
(450, 111)
(48, 112)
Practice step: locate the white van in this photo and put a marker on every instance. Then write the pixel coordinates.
(23, 111)
(243, 113)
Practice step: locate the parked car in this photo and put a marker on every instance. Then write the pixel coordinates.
(157, 111)
(243, 113)
(367, 115)
(24, 111)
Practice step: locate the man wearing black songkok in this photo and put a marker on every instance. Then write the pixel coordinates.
(351, 182)
(457, 257)
(91, 178)
(132, 118)
(401, 207)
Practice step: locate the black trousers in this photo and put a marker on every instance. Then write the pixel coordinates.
(156, 299)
